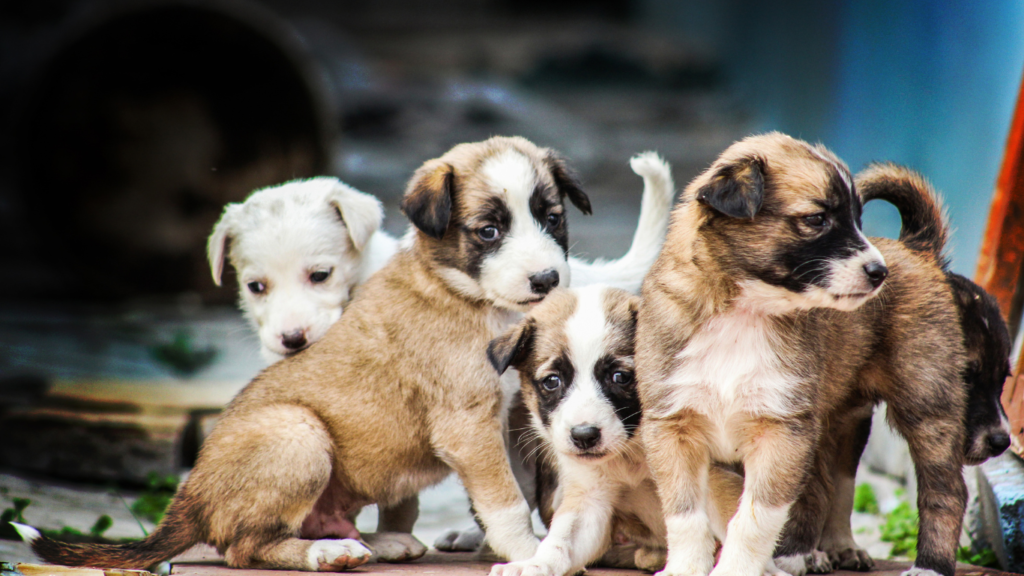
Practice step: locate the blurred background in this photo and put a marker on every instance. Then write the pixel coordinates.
(125, 126)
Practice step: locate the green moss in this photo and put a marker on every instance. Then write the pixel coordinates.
(864, 499)
(153, 501)
(900, 528)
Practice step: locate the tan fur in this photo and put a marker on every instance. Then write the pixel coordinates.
(398, 394)
(901, 346)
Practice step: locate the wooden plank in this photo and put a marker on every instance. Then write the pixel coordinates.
(467, 564)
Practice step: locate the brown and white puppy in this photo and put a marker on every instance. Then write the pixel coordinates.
(574, 355)
(397, 394)
(766, 316)
(986, 342)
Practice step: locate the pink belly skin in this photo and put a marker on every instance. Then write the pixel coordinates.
(333, 515)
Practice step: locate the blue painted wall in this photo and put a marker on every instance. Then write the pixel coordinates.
(931, 84)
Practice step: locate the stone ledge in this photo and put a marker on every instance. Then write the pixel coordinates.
(1001, 510)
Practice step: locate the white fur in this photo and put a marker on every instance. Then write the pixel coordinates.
(751, 538)
(526, 248)
(691, 545)
(727, 386)
(327, 552)
(628, 272)
(509, 531)
(280, 235)
(27, 533)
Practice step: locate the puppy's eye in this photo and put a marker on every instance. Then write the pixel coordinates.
(554, 220)
(816, 220)
(552, 383)
(256, 287)
(622, 377)
(320, 276)
(488, 233)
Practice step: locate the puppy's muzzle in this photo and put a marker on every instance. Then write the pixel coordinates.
(544, 282)
(585, 437)
(876, 272)
(294, 340)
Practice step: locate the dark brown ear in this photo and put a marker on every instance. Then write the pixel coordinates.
(428, 198)
(568, 184)
(736, 189)
(512, 347)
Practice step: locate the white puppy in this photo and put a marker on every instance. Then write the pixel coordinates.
(299, 249)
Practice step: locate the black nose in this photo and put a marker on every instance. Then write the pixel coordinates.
(998, 442)
(585, 437)
(543, 282)
(876, 272)
(294, 340)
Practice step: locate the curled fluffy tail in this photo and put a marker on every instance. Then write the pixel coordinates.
(628, 272)
(925, 226)
(172, 537)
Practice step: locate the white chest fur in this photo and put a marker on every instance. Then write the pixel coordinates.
(730, 372)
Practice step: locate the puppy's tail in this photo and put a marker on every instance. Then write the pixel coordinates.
(174, 535)
(628, 272)
(925, 226)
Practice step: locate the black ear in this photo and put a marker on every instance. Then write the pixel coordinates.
(568, 184)
(428, 198)
(511, 348)
(736, 189)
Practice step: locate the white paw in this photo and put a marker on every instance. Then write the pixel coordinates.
(794, 564)
(468, 540)
(650, 559)
(395, 546)
(771, 569)
(336, 555)
(915, 571)
(526, 568)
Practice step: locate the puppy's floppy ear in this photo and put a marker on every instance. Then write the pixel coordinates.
(361, 212)
(566, 181)
(511, 347)
(736, 189)
(428, 198)
(216, 245)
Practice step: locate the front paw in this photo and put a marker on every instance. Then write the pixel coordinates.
(852, 557)
(467, 540)
(336, 555)
(650, 559)
(526, 568)
(395, 546)
(814, 562)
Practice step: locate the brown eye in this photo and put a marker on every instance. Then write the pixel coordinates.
(488, 233)
(320, 276)
(816, 220)
(257, 287)
(552, 383)
(622, 378)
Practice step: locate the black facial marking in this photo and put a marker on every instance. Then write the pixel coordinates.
(987, 341)
(623, 396)
(548, 400)
(805, 262)
(545, 202)
(493, 213)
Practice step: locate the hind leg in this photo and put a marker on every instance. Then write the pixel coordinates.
(259, 476)
(837, 536)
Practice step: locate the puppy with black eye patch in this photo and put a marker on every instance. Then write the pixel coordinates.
(766, 317)
(986, 343)
(574, 354)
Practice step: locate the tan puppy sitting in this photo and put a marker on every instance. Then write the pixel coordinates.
(767, 314)
(574, 354)
(397, 395)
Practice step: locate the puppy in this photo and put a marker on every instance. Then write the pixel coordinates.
(986, 342)
(398, 393)
(574, 354)
(301, 248)
(766, 316)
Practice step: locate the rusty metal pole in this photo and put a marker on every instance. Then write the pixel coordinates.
(1002, 251)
